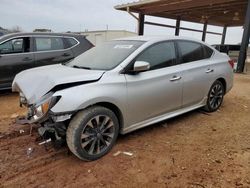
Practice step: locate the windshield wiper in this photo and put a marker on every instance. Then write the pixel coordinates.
(81, 67)
(67, 62)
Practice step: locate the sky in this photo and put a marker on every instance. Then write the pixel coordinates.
(81, 15)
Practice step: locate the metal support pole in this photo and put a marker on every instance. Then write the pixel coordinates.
(245, 41)
(224, 35)
(204, 32)
(177, 28)
(141, 24)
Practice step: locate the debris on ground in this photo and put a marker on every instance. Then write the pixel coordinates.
(127, 153)
(124, 152)
(29, 151)
(44, 142)
(21, 131)
(117, 153)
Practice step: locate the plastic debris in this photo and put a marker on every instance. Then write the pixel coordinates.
(124, 152)
(44, 142)
(29, 151)
(21, 131)
(127, 153)
(89, 171)
(117, 153)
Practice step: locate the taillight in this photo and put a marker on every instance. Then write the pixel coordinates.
(231, 62)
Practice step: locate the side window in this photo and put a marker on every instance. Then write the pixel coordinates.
(190, 51)
(17, 45)
(159, 56)
(71, 42)
(48, 43)
(208, 52)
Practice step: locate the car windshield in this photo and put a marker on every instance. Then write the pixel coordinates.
(105, 56)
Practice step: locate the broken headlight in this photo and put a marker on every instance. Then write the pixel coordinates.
(41, 109)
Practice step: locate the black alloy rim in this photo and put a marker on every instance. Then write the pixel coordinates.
(97, 135)
(216, 96)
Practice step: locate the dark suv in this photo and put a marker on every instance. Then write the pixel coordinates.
(22, 51)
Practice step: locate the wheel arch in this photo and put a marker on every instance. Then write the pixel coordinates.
(114, 108)
(224, 83)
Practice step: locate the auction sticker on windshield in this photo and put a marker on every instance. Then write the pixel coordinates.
(123, 46)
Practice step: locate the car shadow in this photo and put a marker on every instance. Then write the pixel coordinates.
(6, 92)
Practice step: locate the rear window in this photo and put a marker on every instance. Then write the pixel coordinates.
(190, 51)
(48, 43)
(208, 52)
(71, 42)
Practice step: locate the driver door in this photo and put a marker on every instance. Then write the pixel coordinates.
(157, 91)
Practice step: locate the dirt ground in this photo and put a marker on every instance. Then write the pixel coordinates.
(193, 150)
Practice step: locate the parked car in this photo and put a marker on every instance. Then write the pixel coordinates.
(22, 51)
(121, 86)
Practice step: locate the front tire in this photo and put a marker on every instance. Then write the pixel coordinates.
(92, 133)
(215, 96)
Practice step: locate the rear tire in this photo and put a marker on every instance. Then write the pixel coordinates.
(92, 133)
(215, 97)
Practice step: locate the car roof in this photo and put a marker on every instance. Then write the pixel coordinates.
(11, 35)
(159, 38)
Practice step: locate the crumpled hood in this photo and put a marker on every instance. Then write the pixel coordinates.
(36, 82)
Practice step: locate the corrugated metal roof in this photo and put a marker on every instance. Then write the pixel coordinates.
(215, 12)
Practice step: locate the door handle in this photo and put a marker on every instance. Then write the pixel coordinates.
(27, 59)
(175, 78)
(209, 70)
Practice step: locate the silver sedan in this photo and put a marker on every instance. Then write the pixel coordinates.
(120, 86)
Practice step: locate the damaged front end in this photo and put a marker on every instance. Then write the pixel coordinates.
(52, 126)
(38, 88)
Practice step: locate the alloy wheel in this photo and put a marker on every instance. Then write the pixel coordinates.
(216, 96)
(97, 134)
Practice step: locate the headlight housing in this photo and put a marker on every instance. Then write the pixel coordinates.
(41, 109)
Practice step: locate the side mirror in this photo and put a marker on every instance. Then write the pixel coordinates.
(140, 66)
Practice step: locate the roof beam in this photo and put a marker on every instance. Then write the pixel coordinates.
(182, 28)
(183, 4)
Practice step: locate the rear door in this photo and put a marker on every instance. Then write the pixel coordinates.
(15, 56)
(197, 72)
(51, 50)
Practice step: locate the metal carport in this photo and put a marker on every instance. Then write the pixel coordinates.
(224, 13)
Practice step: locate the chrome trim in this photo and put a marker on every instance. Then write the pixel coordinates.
(47, 51)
